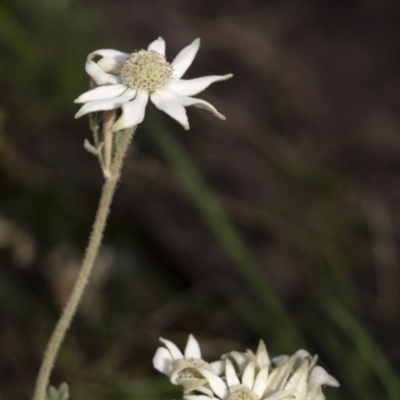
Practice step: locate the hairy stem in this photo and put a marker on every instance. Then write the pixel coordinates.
(92, 250)
(109, 119)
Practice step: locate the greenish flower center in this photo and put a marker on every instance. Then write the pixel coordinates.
(146, 70)
(242, 392)
(192, 372)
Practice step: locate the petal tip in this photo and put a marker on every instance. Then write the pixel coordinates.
(78, 114)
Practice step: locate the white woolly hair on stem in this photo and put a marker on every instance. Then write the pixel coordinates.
(91, 253)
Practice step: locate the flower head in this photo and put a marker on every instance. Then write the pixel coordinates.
(296, 377)
(129, 80)
(182, 369)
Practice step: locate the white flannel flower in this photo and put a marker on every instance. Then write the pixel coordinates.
(128, 80)
(295, 377)
(182, 369)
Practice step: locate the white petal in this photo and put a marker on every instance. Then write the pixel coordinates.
(297, 383)
(110, 65)
(280, 395)
(319, 377)
(218, 367)
(278, 376)
(101, 93)
(261, 382)
(168, 103)
(173, 349)
(300, 356)
(230, 374)
(248, 375)
(192, 87)
(162, 361)
(192, 349)
(99, 76)
(217, 385)
(184, 58)
(115, 54)
(191, 101)
(205, 390)
(313, 362)
(195, 385)
(280, 359)
(132, 115)
(158, 46)
(241, 359)
(262, 355)
(106, 104)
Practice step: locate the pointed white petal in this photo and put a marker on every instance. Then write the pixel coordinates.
(192, 349)
(313, 362)
(191, 101)
(99, 76)
(279, 376)
(262, 355)
(168, 103)
(184, 58)
(217, 385)
(192, 87)
(101, 93)
(133, 114)
(241, 359)
(319, 377)
(297, 383)
(230, 374)
(218, 367)
(248, 375)
(158, 46)
(205, 390)
(261, 382)
(173, 349)
(110, 65)
(282, 394)
(106, 104)
(115, 54)
(251, 356)
(162, 361)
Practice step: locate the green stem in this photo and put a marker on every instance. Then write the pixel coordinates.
(92, 251)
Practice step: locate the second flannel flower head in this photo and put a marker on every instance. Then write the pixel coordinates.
(182, 369)
(129, 80)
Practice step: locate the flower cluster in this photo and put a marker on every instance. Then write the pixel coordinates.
(129, 80)
(243, 376)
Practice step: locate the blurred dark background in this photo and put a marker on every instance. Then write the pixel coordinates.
(280, 223)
